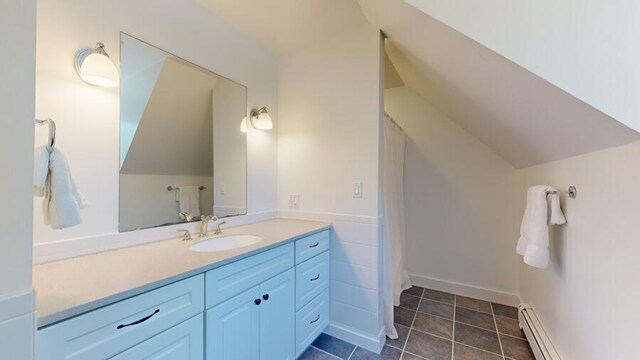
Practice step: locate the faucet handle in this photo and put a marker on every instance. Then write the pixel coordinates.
(218, 231)
(186, 236)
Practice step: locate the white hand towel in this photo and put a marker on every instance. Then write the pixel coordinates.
(40, 170)
(189, 200)
(533, 243)
(556, 217)
(62, 200)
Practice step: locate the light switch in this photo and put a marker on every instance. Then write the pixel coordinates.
(357, 190)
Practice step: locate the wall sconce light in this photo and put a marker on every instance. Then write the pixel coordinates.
(243, 124)
(260, 119)
(96, 68)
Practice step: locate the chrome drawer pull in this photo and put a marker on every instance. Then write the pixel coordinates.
(314, 245)
(316, 320)
(315, 278)
(139, 321)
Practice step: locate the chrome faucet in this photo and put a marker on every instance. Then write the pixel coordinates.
(204, 226)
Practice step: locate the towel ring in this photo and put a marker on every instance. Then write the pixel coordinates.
(52, 131)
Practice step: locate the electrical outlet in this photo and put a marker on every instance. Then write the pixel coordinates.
(357, 190)
(294, 201)
(223, 189)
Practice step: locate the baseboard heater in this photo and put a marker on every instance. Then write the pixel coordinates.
(538, 340)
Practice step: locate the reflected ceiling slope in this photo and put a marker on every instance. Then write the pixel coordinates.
(174, 118)
(522, 117)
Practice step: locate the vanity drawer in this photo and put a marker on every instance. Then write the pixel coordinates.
(311, 320)
(312, 245)
(108, 331)
(184, 341)
(312, 277)
(232, 279)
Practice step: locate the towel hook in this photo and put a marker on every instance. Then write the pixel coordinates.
(52, 131)
(573, 192)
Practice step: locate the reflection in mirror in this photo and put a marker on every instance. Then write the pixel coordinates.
(182, 152)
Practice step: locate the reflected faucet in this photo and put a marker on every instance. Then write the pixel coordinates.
(204, 226)
(186, 216)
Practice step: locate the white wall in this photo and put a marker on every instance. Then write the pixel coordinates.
(590, 42)
(328, 97)
(458, 206)
(88, 116)
(17, 41)
(587, 299)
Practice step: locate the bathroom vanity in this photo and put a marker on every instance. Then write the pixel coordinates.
(268, 300)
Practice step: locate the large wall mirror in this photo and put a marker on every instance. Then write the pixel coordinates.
(183, 153)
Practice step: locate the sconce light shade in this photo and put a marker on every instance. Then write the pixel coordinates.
(96, 68)
(243, 124)
(260, 119)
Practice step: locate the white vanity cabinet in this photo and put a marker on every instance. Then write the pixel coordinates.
(312, 288)
(267, 306)
(252, 307)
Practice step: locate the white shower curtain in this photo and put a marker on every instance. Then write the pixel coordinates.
(395, 277)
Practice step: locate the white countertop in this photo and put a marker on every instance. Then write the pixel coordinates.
(74, 286)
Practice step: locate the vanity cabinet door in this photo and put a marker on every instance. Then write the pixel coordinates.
(183, 341)
(233, 328)
(277, 317)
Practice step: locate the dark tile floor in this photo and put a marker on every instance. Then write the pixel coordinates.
(434, 325)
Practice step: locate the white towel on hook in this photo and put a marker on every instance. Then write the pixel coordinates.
(62, 200)
(40, 170)
(533, 243)
(189, 200)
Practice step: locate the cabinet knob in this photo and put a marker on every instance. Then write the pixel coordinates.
(265, 297)
(257, 301)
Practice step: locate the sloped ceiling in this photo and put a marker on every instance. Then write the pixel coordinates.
(391, 77)
(587, 48)
(524, 118)
(284, 25)
(170, 138)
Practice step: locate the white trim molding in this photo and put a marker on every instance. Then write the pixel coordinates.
(17, 304)
(369, 342)
(17, 325)
(481, 293)
(327, 217)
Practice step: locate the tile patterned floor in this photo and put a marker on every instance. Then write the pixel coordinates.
(434, 325)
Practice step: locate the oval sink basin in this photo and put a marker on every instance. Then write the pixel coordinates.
(224, 243)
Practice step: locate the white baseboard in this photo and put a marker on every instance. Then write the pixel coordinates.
(68, 248)
(355, 337)
(496, 296)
